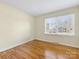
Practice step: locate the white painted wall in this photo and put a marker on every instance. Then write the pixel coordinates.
(16, 27)
(61, 39)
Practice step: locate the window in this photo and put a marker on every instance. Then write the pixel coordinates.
(62, 25)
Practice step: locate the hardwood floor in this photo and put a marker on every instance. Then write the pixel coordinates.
(41, 50)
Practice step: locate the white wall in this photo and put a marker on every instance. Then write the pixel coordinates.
(16, 27)
(61, 39)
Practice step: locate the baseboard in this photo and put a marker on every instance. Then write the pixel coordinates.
(64, 44)
(13, 46)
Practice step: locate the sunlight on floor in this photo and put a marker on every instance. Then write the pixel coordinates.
(52, 55)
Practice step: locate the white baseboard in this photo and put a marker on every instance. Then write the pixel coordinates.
(71, 45)
(13, 46)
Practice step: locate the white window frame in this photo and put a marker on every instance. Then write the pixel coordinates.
(73, 25)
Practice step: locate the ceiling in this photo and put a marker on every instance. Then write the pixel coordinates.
(38, 7)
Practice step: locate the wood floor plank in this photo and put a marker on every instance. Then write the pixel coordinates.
(41, 50)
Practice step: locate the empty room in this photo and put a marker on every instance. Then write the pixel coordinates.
(39, 29)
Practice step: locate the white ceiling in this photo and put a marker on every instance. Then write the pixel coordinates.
(38, 7)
